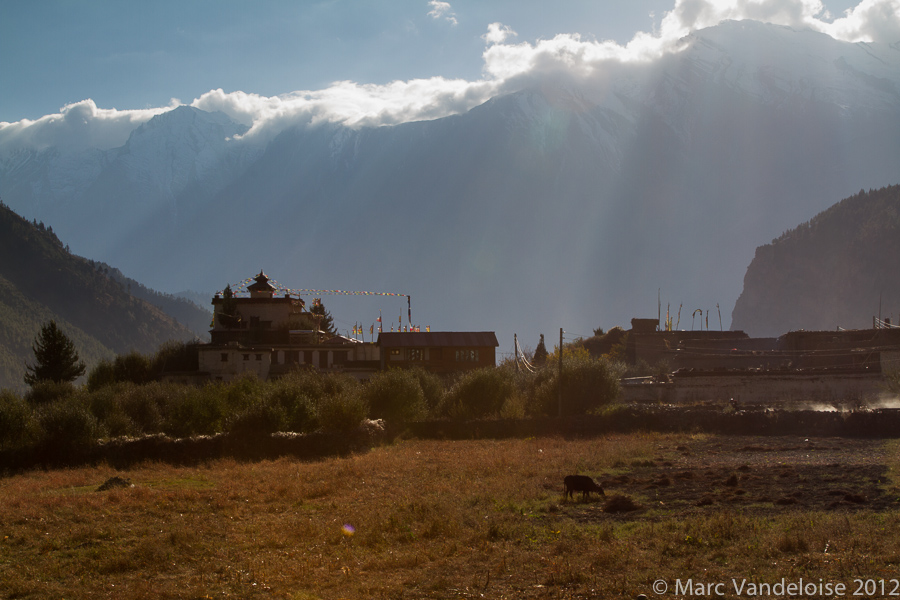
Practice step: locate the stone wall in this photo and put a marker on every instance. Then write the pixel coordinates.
(774, 388)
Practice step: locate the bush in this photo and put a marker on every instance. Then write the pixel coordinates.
(306, 382)
(147, 404)
(342, 413)
(106, 403)
(587, 385)
(432, 389)
(241, 392)
(17, 424)
(395, 396)
(198, 411)
(133, 367)
(336, 384)
(47, 392)
(479, 394)
(300, 414)
(66, 430)
(263, 417)
(102, 375)
(175, 356)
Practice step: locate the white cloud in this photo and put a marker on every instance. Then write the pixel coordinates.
(351, 104)
(498, 33)
(869, 21)
(506, 67)
(77, 125)
(442, 10)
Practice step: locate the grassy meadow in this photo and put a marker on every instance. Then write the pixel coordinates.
(414, 519)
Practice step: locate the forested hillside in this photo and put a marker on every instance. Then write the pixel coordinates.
(837, 270)
(41, 280)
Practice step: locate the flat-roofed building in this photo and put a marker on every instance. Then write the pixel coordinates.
(438, 351)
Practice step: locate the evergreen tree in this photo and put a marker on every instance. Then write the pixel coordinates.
(56, 357)
(540, 354)
(326, 322)
(229, 315)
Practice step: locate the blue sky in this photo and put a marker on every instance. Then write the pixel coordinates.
(85, 73)
(141, 55)
(138, 55)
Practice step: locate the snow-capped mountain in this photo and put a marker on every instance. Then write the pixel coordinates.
(168, 166)
(574, 202)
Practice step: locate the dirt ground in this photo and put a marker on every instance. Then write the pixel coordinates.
(755, 474)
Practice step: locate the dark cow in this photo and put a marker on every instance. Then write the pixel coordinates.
(581, 483)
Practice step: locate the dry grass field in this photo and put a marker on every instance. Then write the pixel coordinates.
(461, 519)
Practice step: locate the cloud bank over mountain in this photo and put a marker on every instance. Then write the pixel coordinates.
(591, 187)
(507, 67)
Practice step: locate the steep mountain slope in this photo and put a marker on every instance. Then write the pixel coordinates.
(40, 280)
(571, 202)
(839, 269)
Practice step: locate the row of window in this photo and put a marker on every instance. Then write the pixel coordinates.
(245, 356)
(467, 356)
(412, 354)
(419, 354)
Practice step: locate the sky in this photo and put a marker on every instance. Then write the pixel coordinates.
(110, 64)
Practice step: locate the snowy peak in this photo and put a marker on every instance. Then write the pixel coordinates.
(778, 65)
(195, 127)
(183, 148)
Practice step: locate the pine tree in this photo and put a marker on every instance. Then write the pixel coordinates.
(540, 354)
(56, 357)
(228, 315)
(326, 322)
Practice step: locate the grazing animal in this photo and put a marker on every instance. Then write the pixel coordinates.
(581, 483)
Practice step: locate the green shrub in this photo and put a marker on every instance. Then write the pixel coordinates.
(343, 412)
(514, 407)
(106, 405)
(17, 424)
(587, 385)
(47, 392)
(336, 384)
(101, 375)
(146, 405)
(432, 389)
(66, 430)
(198, 411)
(395, 396)
(241, 393)
(479, 394)
(306, 382)
(299, 409)
(260, 418)
(133, 367)
(175, 356)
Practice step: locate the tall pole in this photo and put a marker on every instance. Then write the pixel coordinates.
(560, 370)
(516, 350)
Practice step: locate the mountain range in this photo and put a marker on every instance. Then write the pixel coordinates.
(573, 202)
(100, 310)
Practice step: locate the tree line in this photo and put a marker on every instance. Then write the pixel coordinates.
(126, 397)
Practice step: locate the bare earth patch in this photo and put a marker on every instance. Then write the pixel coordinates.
(756, 475)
